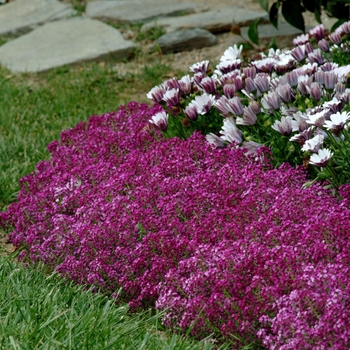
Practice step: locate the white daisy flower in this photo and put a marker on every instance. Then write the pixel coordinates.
(230, 132)
(321, 158)
(318, 118)
(232, 53)
(215, 140)
(337, 121)
(313, 144)
(160, 120)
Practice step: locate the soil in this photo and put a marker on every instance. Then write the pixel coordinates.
(5, 247)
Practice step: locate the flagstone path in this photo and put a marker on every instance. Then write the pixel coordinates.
(44, 34)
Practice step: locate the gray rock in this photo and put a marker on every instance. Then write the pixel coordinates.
(185, 40)
(216, 20)
(269, 31)
(21, 15)
(64, 42)
(134, 11)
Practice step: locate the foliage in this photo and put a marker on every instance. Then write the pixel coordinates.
(273, 101)
(292, 11)
(218, 239)
(35, 108)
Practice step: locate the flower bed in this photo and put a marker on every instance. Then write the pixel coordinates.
(219, 238)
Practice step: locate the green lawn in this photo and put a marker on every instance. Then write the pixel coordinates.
(38, 310)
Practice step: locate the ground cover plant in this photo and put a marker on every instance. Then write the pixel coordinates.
(292, 101)
(226, 241)
(35, 109)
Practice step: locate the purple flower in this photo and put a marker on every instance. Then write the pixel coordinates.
(335, 38)
(249, 117)
(345, 27)
(262, 82)
(230, 132)
(203, 103)
(225, 67)
(191, 111)
(200, 67)
(252, 147)
(332, 106)
(229, 90)
(316, 57)
(340, 87)
(171, 84)
(265, 65)
(301, 39)
(255, 107)
(172, 97)
(303, 136)
(285, 92)
(284, 126)
(271, 101)
(215, 140)
(330, 80)
(185, 85)
(236, 105)
(249, 72)
(223, 106)
(315, 91)
(323, 45)
(156, 93)
(208, 84)
(320, 77)
(249, 85)
(306, 69)
(304, 83)
(292, 78)
(226, 106)
(299, 53)
(328, 66)
(318, 118)
(318, 32)
(284, 64)
(229, 78)
(160, 119)
(300, 121)
(198, 77)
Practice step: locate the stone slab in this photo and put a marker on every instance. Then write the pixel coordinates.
(64, 42)
(216, 20)
(186, 40)
(134, 11)
(22, 15)
(269, 31)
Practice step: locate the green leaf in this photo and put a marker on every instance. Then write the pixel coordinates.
(318, 14)
(253, 32)
(337, 9)
(273, 44)
(310, 5)
(273, 15)
(264, 5)
(292, 13)
(247, 46)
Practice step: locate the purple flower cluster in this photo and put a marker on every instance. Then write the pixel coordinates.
(281, 99)
(217, 238)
